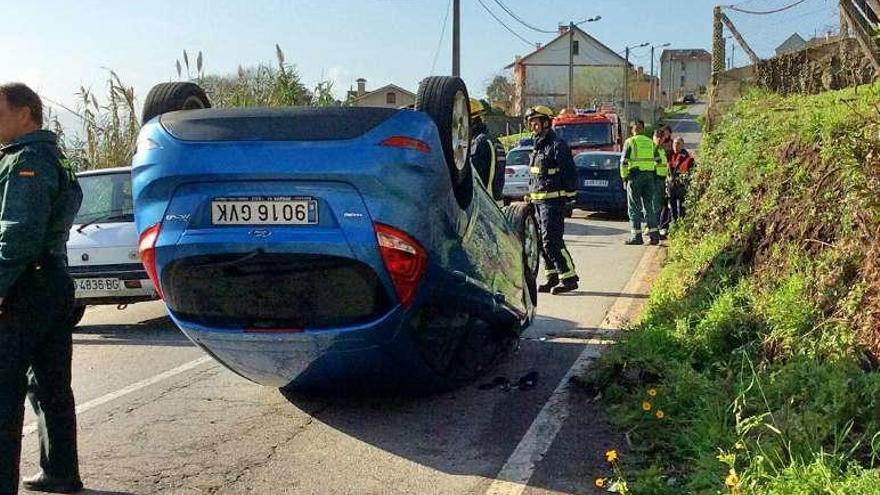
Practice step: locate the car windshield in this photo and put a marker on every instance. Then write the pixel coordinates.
(598, 161)
(584, 134)
(106, 197)
(518, 157)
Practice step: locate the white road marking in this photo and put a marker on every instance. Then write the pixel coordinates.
(520, 466)
(32, 427)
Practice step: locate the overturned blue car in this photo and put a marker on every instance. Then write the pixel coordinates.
(332, 249)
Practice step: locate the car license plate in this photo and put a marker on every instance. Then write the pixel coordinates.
(264, 211)
(89, 285)
(595, 183)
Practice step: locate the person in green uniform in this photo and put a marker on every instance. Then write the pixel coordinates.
(639, 163)
(39, 197)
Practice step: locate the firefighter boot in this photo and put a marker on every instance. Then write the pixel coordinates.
(552, 281)
(568, 284)
(655, 238)
(635, 240)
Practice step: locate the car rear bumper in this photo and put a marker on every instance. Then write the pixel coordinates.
(356, 356)
(600, 201)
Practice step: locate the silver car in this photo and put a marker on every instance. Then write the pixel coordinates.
(516, 174)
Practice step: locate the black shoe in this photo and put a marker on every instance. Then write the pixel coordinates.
(567, 285)
(634, 241)
(655, 239)
(552, 281)
(41, 482)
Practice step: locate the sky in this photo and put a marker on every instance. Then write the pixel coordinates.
(57, 46)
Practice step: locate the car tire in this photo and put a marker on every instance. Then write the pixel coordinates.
(173, 96)
(445, 99)
(522, 217)
(76, 315)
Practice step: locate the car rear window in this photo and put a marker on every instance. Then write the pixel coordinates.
(106, 197)
(518, 157)
(598, 161)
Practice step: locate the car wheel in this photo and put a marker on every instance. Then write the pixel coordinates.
(522, 217)
(76, 315)
(173, 96)
(445, 99)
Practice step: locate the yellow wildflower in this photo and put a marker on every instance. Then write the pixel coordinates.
(652, 392)
(732, 480)
(646, 406)
(600, 482)
(660, 414)
(611, 455)
(740, 446)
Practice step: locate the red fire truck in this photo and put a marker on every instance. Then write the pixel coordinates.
(589, 129)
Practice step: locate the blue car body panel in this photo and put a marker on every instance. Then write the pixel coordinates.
(215, 276)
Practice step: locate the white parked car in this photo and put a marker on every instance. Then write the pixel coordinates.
(516, 174)
(102, 249)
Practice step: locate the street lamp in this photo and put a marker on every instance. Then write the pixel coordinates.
(653, 91)
(626, 81)
(571, 26)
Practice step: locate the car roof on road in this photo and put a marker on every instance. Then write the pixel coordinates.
(598, 152)
(101, 171)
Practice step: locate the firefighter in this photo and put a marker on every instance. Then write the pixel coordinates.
(663, 140)
(487, 154)
(553, 182)
(638, 168)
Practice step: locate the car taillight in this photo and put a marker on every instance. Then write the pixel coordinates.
(509, 171)
(407, 142)
(405, 260)
(147, 250)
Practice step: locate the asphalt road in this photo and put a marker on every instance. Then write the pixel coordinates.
(158, 417)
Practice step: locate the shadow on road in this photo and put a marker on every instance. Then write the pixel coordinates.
(593, 230)
(470, 431)
(153, 332)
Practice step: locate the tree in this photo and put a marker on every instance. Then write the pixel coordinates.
(501, 92)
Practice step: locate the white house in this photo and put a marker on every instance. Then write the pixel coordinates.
(684, 71)
(388, 96)
(541, 77)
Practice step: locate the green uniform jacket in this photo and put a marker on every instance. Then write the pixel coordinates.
(39, 198)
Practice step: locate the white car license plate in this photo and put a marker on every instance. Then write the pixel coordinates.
(595, 183)
(264, 211)
(93, 285)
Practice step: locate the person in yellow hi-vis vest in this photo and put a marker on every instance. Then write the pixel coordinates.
(638, 168)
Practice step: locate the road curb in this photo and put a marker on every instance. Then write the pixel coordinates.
(514, 476)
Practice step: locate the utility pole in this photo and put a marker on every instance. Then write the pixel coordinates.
(653, 92)
(456, 38)
(570, 65)
(626, 89)
(626, 82)
(571, 26)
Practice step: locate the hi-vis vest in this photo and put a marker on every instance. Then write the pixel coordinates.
(644, 156)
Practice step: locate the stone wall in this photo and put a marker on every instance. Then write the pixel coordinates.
(833, 65)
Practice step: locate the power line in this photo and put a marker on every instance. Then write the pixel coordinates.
(442, 35)
(766, 12)
(503, 24)
(519, 19)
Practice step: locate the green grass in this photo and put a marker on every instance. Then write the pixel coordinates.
(755, 330)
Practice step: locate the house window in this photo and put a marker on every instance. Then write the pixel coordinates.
(682, 81)
(575, 47)
(683, 67)
(391, 98)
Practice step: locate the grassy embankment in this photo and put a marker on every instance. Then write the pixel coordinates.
(754, 369)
